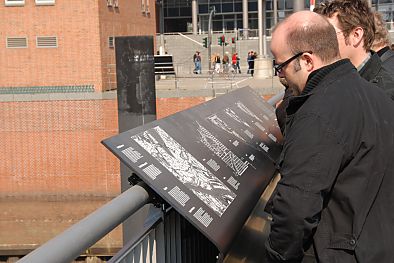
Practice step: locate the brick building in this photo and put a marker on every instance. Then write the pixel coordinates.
(59, 43)
(57, 61)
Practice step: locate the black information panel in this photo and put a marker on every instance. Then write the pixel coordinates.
(135, 79)
(211, 162)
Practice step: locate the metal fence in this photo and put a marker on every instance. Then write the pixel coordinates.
(170, 238)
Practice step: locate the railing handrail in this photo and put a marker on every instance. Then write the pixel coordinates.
(141, 234)
(276, 98)
(68, 245)
(191, 39)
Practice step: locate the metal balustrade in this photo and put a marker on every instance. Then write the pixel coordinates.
(175, 240)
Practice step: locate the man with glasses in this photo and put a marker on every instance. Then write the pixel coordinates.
(335, 195)
(354, 25)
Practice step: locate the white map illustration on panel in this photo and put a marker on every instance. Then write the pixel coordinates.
(219, 149)
(221, 124)
(186, 168)
(247, 111)
(235, 117)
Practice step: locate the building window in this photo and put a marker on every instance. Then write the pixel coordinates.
(14, 2)
(113, 3)
(16, 42)
(111, 42)
(46, 42)
(45, 2)
(145, 6)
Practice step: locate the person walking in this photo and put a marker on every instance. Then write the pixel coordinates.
(217, 63)
(249, 60)
(226, 62)
(253, 56)
(197, 63)
(335, 194)
(235, 63)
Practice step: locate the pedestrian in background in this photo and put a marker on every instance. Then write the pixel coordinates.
(382, 42)
(249, 60)
(226, 62)
(253, 56)
(217, 63)
(197, 62)
(235, 63)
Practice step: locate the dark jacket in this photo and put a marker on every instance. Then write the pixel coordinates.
(281, 109)
(337, 185)
(387, 57)
(374, 72)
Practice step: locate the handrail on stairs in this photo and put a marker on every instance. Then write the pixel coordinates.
(191, 39)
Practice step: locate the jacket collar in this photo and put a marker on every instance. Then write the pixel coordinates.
(314, 79)
(387, 54)
(382, 51)
(371, 68)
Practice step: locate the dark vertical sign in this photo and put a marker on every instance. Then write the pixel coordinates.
(210, 162)
(135, 78)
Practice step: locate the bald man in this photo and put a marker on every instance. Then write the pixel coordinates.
(336, 192)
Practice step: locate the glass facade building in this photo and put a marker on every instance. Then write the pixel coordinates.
(228, 16)
(386, 7)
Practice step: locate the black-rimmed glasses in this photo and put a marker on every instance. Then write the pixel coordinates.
(278, 68)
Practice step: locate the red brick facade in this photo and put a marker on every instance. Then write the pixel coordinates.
(83, 56)
(54, 147)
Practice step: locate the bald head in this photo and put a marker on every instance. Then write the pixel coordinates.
(307, 31)
(302, 19)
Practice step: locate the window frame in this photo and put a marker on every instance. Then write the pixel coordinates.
(14, 2)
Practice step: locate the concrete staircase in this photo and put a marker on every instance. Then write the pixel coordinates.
(183, 47)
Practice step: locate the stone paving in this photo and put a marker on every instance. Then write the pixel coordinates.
(210, 85)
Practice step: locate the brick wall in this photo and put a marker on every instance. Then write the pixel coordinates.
(82, 27)
(127, 20)
(168, 106)
(75, 61)
(54, 147)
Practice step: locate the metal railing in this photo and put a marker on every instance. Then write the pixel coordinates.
(69, 245)
(73, 241)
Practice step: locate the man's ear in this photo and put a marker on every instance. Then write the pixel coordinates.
(356, 37)
(307, 59)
